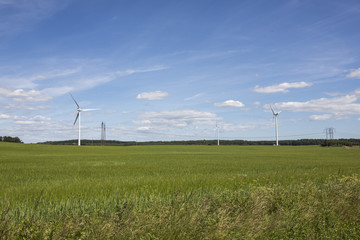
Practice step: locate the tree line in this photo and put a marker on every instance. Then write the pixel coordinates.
(10, 139)
(298, 142)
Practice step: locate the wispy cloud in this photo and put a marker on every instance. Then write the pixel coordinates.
(53, 83)
(57, 73)
(141, 70)
(31, 80)
(201, 56)
(57, 91)
(105, 77)
(282, 87)
(157, 95)
(194, 97)
(230, 103)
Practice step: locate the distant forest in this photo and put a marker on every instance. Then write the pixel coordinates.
(321, 142)
(10, 139)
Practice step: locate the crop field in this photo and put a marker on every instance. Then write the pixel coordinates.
(179, 192)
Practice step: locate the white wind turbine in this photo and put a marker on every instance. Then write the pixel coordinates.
(218, 138)
(275, 114)
(79, 110)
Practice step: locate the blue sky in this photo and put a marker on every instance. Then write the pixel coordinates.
(171, 70)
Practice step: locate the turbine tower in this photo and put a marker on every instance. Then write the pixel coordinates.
(78, 116)
(275, 114)
(218, 138)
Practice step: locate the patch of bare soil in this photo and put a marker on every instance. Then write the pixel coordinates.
(353, 147)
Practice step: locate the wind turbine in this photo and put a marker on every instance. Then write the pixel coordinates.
(79, 110)
(275, 114)
(217, 129)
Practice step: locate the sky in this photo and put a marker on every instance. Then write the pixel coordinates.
(167, 70)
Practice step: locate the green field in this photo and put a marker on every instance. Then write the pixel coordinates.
(179, 192)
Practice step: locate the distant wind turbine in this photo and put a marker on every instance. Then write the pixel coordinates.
(275, 114)
(218, 138)
(79, 110)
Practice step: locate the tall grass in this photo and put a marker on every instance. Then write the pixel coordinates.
(179, 192)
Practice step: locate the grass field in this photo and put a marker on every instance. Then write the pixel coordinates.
(179, 192)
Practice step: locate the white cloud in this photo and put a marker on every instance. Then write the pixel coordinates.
(229, 103)
(25, 122)
(320, 117)
(157, 95)
(147, 128)
(344, 105)
(333, 94)
(354, 73)
(20, 95)
(176, 119)
(4, 116)
(282, 87)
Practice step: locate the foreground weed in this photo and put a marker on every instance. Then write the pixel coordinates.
(307, 211)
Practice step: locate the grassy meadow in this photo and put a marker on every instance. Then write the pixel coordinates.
(179, 192)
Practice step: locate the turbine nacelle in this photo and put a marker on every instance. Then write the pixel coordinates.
(274, 113)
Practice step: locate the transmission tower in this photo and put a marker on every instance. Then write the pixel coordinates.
(103, 133)
(329, 133)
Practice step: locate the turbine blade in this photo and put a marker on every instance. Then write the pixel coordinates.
(74, 100)
(77, 116)
(90, 109)
(272, 109)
